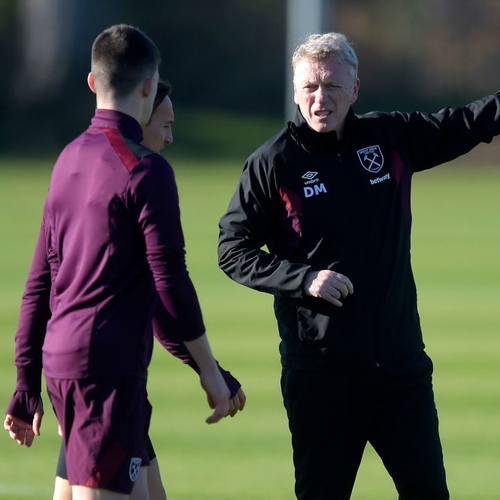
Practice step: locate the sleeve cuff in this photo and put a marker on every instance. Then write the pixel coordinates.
(29, 379)
(232, 383)
(23, 405)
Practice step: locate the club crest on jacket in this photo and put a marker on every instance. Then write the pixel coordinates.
(371, 158)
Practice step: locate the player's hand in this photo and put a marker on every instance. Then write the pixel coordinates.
(217, 395)
(328, 285)
(21, 431)
(237, 403)
(211, 379)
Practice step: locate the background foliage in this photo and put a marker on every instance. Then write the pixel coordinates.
(229, 57)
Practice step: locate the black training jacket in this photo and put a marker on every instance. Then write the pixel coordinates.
(317, 203)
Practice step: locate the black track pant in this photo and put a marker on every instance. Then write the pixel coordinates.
(333, 414)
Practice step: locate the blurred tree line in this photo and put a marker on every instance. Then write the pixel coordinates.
(228, 56)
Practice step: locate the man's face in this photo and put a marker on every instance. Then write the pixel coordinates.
(158, 131)
(324, 92)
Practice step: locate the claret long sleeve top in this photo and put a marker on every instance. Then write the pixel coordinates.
(110, 246)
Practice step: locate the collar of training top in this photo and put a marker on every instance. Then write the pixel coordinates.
(108, 118)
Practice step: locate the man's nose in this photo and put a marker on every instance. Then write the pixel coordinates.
(321, 94)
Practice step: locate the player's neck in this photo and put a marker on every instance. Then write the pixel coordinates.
(132, 106)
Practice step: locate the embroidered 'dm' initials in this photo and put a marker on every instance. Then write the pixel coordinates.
(312, 185)
(314, 190)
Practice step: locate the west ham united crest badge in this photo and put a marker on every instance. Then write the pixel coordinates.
(371, 158)
(135, 466)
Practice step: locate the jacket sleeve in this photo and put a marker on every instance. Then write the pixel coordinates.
(436, 138)
(246, 228)
(35, 313)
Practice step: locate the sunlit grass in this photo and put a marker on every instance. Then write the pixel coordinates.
(456, 243)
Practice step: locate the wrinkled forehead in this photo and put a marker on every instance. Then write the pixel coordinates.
(320, 71)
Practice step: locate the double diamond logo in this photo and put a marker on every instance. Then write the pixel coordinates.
(309, 176)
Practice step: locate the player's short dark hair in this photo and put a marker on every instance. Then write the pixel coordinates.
(164, 89)
(123, 56)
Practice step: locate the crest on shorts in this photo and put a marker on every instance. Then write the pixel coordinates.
(135, 466)
(371, 158)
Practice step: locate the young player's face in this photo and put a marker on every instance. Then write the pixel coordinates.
(324, 92)
(158, 131)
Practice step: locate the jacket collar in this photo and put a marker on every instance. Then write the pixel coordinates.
(314, 141)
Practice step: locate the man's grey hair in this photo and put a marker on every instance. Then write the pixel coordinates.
(320, 47)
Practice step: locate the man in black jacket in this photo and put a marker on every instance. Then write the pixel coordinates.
(329, 196)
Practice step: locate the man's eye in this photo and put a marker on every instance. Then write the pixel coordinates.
(335, 88)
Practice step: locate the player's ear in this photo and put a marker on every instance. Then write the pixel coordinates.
(91, 82)
(148, 85)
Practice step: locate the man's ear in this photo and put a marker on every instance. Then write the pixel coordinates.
(355, 92)
(295, 99)
(148, 86)
(91, 82)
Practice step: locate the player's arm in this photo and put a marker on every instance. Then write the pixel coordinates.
(157, 204)
(25, 410)
(164, 332)
(157, 207)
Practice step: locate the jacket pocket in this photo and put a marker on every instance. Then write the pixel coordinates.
(312, 325)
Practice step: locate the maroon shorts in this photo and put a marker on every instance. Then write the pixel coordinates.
(104, 422)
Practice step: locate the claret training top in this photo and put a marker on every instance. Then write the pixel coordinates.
(111, 242)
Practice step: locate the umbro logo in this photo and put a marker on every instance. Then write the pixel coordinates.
(309, 176)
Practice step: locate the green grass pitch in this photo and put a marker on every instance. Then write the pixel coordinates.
(456, 248)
